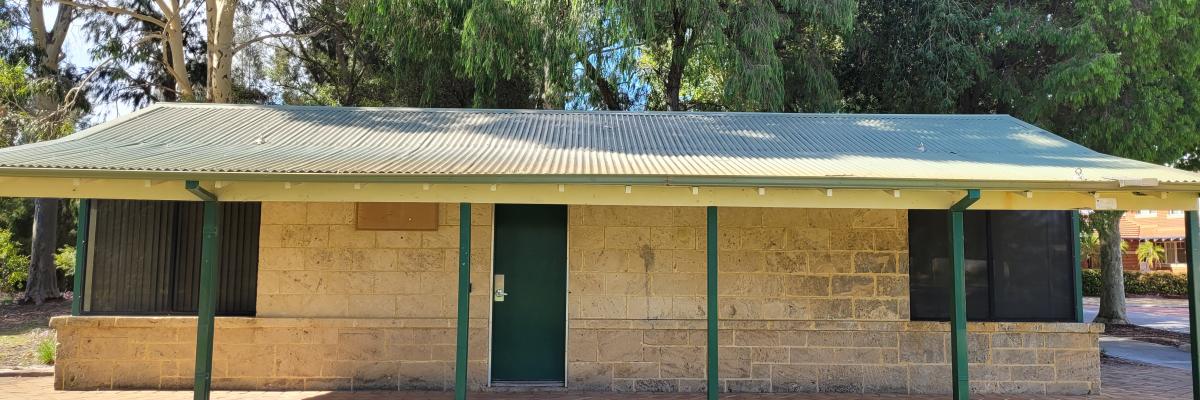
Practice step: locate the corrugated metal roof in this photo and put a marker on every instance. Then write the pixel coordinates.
(206, 138)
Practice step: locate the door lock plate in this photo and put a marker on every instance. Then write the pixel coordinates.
(499, 293)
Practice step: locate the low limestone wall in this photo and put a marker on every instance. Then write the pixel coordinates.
(264, 353)
(837, 357)
(617, 355)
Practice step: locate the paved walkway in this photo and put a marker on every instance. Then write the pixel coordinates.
(1146, 353)
(1121, 381)
(1150, 312)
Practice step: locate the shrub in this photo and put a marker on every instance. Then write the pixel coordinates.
(1146, 283)
(1155, 283)
(46, 351)
(1092, 282)
(14, 266)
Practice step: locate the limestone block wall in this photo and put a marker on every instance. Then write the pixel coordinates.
(314, 263)
(264, 353)
(775, 264)
(812, 300)
(833, 357)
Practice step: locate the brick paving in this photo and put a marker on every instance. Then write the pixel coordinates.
(1121, 381)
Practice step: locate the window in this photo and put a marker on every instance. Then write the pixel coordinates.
(1175, 214)
(1018, 265)
(1146, 213)
(144, 258)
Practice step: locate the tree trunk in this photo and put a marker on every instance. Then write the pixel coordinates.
(42, 283)
(220, 49)
(1112, 291)
(608, 95)
(174, 50)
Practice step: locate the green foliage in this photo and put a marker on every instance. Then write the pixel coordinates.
(14, 266)
(1151, 253)
(1092, 283)
(64, 261)
(1139, 283)
(46, 351)
(1155, 283)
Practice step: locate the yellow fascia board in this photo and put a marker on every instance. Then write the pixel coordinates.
(591, 194)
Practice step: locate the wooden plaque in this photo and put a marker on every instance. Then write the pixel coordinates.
(397, 216)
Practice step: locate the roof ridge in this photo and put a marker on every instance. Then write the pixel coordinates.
(604, 112)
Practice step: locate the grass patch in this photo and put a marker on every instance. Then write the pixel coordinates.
(46, 351)
(25, 335)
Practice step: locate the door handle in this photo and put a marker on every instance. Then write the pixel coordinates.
(499, 293)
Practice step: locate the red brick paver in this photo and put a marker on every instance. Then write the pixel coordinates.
(1121, 381)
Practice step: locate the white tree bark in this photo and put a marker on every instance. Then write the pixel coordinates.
(42, 283)
(220, 49)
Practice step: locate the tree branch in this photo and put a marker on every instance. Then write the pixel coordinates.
(242, 46)
(114, 10)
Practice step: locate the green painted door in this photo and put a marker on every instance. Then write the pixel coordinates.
(529, 324)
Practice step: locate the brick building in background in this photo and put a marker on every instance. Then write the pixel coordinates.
(1163, 227)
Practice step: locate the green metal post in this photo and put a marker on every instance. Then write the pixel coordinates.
(714, 382)
(1077, 264)
(207, 306)
(958, 318)
(1192, 228)
(464, 300)
(82, 227)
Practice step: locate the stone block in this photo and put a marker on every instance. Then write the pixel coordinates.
(682, 238)
(739, 217)
(347, 236)
(376, 375)
(626, 237)
(875, 262)
(885, 379)
(589, 376)
(585, 237)
(873, 218)
(923, 347)
(788, 262)
(787, 378)
(852, 239)
(764, 238)
(398, 239)
(1077, 365)
(424, 375)
(330, 214)
(274, 212)
(635, 370)
(891, 285)
(620, 345)
(876, 310)
(632, 283)
(805, 285)
(840, 378)
(310, 236)
(853, 285)
(808, 239)
(830, 262)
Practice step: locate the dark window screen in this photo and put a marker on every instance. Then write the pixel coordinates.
(144, 258)
(1018, 265)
